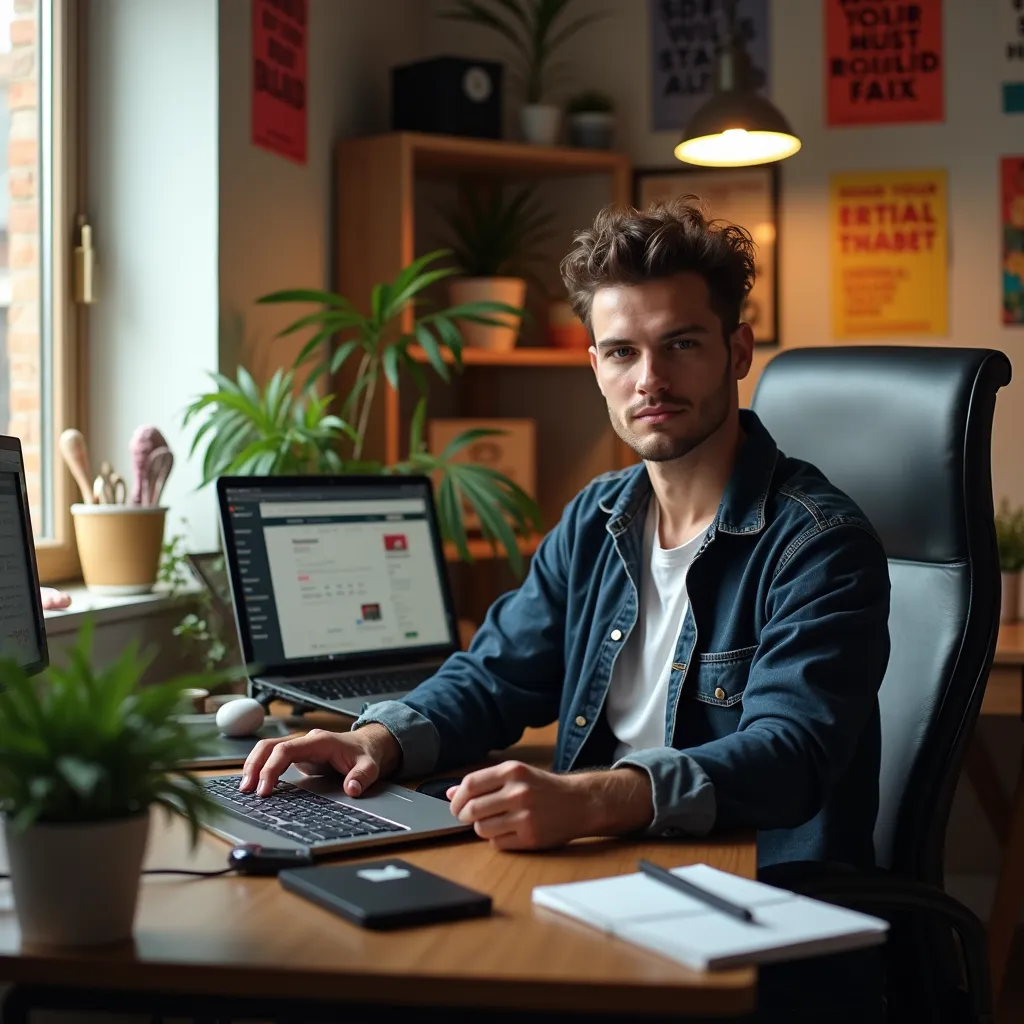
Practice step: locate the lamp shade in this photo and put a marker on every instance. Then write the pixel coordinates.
(737, 128)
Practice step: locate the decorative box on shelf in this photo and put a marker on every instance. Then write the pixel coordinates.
(512, 452)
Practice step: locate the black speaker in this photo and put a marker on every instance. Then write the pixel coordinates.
(448, 95)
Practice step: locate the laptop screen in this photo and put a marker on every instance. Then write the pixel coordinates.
(22, 627)
(334, 569)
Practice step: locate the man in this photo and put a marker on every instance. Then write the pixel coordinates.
(708, 627)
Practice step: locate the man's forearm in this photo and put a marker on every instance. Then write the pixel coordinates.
(615, 802)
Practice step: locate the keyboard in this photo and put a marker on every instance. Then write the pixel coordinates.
(340, 687)
(297, 813)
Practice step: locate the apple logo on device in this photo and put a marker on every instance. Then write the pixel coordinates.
(391, 873)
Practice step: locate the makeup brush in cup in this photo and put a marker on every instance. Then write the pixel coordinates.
(76, 456)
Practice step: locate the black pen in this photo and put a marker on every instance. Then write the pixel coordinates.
(689, 889)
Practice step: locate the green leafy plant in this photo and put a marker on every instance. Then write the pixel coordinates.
(591, 102)
(1010, 537)
(536, 31)
(497, 236)
(287, 426)
(84, 744)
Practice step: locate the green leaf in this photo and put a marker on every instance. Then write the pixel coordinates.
(467, 437)
(416, 427)
(341, 355)
(389, 363)
(433, 351)
(307, 295)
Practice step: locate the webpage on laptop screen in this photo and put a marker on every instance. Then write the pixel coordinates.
(323, 578)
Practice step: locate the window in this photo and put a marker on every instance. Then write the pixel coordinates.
(38, 202)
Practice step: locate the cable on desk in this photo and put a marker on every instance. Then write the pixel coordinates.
(176, 871)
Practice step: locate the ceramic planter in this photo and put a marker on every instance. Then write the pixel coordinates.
(119, 546)
(539, 123)
(78, 884)
(510, 290)
(592, 129)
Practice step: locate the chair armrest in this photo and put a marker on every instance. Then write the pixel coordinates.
(883, 894)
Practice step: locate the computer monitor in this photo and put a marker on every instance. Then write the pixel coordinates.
(22, 626)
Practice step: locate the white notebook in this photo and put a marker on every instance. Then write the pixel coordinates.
(647, 913)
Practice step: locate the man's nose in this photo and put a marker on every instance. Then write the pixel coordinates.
(652, 375)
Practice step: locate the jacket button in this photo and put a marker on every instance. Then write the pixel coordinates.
(581, 721)
(720, 693)
(616, 634)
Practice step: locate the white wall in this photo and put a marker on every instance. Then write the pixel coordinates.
(277, 217)
(153, 202)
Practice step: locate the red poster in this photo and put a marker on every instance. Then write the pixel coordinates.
(279, 33)
(883, 62)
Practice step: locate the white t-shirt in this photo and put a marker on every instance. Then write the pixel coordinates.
(638, 693)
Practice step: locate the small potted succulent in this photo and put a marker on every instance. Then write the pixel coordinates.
(591, 120)
(85, 754)
(1010, 540)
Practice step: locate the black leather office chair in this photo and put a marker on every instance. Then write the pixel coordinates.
(906, 432)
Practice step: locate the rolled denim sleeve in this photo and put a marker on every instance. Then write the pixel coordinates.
(683, 796)
(415, 734)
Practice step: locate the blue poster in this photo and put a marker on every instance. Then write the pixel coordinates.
(684, 36)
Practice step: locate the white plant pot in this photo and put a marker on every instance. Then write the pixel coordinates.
(510, 290)
(539, 123)
(77, 885)
(1009, 606)
(592, 129)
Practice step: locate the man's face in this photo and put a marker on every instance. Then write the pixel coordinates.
(663, 365)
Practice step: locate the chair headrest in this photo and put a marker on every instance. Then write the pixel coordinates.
(886, 424)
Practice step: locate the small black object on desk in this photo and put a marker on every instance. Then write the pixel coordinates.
(254, 859)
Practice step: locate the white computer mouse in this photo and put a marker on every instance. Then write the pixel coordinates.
(240, 717)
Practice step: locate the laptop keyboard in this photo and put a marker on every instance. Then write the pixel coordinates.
(297, 813)
(340, 687)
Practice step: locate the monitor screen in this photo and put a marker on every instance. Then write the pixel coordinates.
(22, 628)
(335, 571)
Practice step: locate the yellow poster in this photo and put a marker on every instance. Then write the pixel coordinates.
(889, 254)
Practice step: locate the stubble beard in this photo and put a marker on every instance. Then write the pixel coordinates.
(713, 411)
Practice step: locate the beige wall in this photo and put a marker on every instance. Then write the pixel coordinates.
(614, 55)
(276, 216)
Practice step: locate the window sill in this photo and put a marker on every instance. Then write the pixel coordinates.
(105, 610)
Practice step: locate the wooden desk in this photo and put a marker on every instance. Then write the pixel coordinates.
(246, 936)
(1004, 695)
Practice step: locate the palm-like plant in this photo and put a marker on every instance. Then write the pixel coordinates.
(82, 744)
(536, 30)
(495, 236)
(287, 427)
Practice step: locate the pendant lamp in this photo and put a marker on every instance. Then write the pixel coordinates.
(736, 127)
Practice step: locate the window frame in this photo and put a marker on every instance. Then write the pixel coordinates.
(57, 555)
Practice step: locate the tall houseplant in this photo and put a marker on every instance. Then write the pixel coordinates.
(535, 30)
(85, 753)
(289, 427)
(496, 239)
(1010, 540)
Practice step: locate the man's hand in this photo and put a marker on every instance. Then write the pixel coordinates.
(518, 807)
(362, 757)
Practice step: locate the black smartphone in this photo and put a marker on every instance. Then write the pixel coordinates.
(385, 894)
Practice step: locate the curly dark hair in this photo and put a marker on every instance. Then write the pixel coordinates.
(629, 246)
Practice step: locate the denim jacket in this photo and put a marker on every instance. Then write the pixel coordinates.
(772, 716)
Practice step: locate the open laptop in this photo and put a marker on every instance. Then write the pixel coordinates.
(22, 625)
(339, 585)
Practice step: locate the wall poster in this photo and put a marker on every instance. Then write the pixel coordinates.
(279, 36)
(889, 254)
(883, 62)
(1012, 209)
(1011, 16)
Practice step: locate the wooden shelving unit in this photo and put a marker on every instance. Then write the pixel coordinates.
(481, 549)
(377, 179)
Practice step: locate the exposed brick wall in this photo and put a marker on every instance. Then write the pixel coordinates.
(22, 245)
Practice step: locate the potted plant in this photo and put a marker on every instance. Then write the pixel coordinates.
(495, 241)
(289, 427)
(536, 31)
(85, 754)
(1010, 540)
(591, 120)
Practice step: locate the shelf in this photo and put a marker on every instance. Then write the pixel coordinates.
(481, 549)
(451, 154)
(533, 356)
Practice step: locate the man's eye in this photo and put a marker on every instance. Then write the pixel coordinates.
(684, 342)
(619, 353)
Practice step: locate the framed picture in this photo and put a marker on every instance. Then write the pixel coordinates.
(746, 196)
(512, 452)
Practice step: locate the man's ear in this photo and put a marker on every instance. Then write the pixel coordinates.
(593, 365)
(741, 350)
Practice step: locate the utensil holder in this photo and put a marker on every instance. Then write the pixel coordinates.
(119, 547)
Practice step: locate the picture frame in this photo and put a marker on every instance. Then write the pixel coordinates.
(747, 196)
